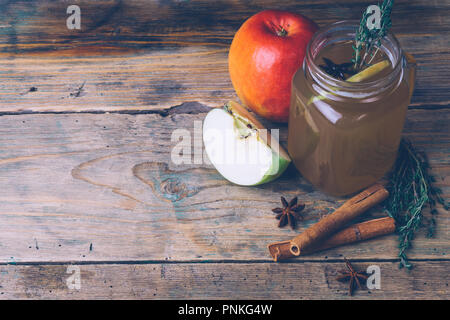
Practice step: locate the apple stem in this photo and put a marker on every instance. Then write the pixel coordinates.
(282, 32)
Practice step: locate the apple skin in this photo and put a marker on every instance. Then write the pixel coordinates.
(265, 53)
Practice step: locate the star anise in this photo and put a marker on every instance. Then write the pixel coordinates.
(352, 276)
(289, 213)
(338, 71)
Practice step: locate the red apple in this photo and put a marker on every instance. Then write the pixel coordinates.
(265, 53)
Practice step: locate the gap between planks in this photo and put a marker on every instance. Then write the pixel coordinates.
(228, 261)
(166, 112)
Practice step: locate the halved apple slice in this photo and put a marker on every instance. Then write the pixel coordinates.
(240, 148)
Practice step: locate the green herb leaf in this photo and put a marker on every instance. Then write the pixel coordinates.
(368, 40)
(411, 190)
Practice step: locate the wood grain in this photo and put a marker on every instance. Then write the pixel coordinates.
(72, 180)
(151, 55)
(297, 281)
(86, 119)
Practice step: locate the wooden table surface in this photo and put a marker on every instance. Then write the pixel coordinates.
(86, 118)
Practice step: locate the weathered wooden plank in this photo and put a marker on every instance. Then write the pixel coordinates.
(151, 55)
(119, 22)
(297, 281)
(72, 180)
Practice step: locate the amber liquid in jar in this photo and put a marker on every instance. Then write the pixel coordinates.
(344, 141)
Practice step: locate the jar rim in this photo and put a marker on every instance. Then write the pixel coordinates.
(350, 27)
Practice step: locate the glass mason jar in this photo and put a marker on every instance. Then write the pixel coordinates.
(344, 136)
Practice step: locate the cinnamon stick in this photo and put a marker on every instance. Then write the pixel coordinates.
(351, 209)
(355, 233)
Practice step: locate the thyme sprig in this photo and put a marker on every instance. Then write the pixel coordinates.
(368, 40)
(411, 188)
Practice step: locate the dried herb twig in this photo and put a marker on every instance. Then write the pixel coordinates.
(411, 190)
(369, 40)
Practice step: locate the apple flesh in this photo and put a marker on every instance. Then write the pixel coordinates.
(240, 148)
(265, 53)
